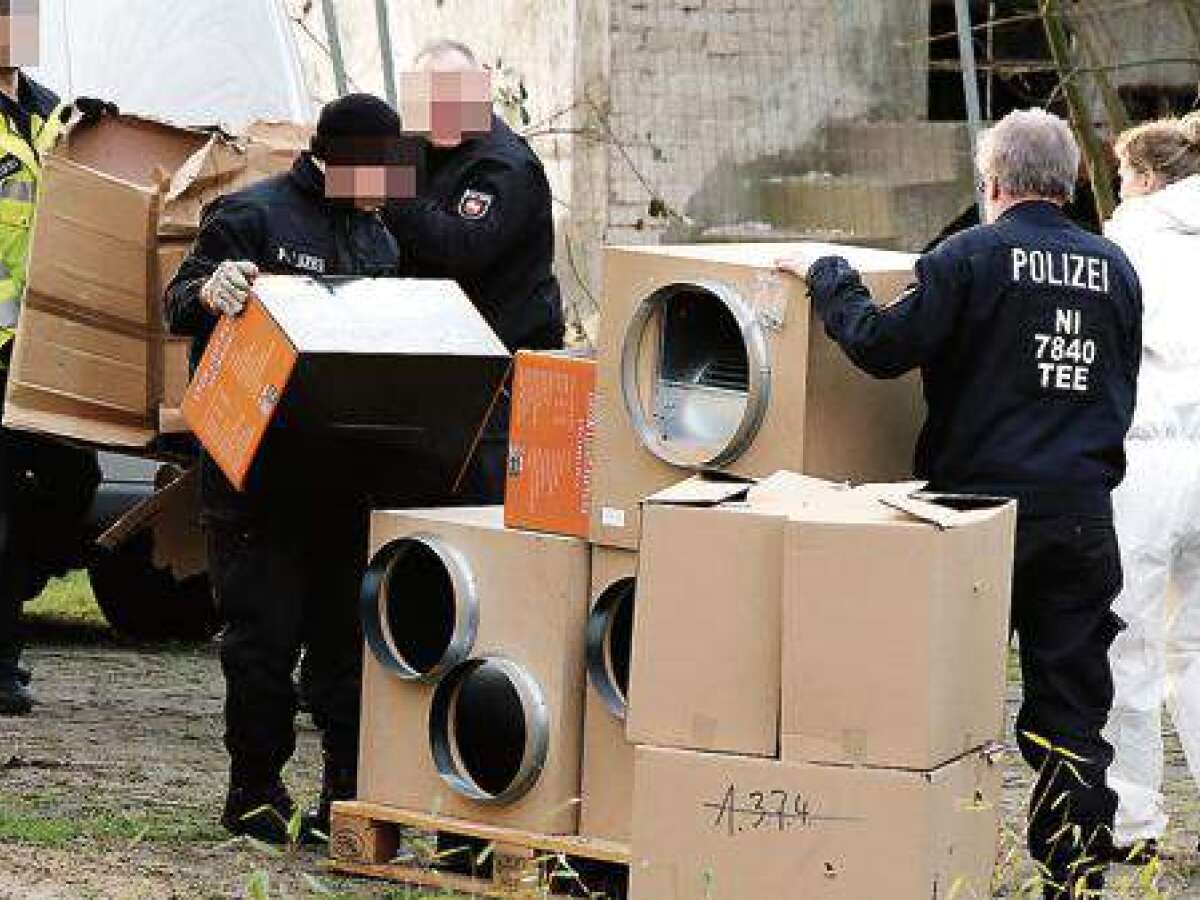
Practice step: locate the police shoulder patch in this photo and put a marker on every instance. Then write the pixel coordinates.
(475, 204)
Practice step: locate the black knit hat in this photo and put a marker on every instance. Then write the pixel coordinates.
(358, 128)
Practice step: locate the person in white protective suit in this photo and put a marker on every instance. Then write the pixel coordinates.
(1156, 660)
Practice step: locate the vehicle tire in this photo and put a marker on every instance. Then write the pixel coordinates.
(147, 604)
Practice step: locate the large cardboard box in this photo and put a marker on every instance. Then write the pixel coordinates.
(89, 358)
(710, 359)
(607, 802)
(895, 627)
(706, 669)
(401, 372)
(893, 609)
(709, 826)
(446, 589)
(549, 479)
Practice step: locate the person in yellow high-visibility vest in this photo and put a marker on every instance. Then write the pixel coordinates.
(46, 487)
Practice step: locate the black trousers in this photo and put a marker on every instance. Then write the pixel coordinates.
(286, 574)
(1067, 574)
(487, 472)
(46, 491)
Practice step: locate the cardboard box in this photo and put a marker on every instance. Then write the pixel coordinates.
(893, 611)
(176, 352)
(713, 826)
(529, 596)
(550, 444)
(733, 358)
(404, 369)
(606, 812)
(895, 627)
(706, 651)
(88, 361)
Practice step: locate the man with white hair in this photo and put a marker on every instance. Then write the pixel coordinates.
(483, 218)
(1027, 332)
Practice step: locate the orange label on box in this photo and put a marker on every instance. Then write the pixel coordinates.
(237, 387)
(550, 444)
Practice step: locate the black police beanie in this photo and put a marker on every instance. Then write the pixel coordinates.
(354, 116)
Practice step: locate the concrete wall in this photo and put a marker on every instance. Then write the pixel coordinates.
(535, 41)
(654, 113)
(708, 94)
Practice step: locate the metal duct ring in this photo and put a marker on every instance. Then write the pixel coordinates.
(758, 393)
(442, 633)
(481, 710)
(614, 601)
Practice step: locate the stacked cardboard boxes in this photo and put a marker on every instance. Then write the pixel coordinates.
(818, 683)
(793, 687)
(120, 203)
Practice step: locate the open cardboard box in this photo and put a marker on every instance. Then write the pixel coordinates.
(893, 613)
(706, 669)
(91, 357)
(711, 825)
(398, 376)
(895, 627)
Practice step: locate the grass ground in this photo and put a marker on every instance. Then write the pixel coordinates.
(112, 789)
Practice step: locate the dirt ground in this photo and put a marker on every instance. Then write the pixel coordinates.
(112, 789)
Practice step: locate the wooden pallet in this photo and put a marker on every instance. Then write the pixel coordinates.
(375, 841)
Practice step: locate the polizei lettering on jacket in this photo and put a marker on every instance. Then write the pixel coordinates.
(1061, 269)
(306, 262)
(1064, 349)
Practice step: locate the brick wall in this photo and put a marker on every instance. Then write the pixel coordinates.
(705, 93)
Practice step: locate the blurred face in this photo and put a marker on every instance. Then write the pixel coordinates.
(369, 173)
(19, 33)
(445, 103)
(1135, 183)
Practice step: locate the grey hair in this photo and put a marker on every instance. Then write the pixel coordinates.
(445, 47)
(1031, 153)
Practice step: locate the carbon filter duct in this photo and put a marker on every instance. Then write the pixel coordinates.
(419, 607)
(695, 374)
(610, 644)
(489, 730)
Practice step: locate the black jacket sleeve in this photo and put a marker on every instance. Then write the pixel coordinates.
(228, 230)
(888, 341)
(434, 238)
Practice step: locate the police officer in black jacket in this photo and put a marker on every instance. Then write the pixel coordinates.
(483, 218)
(286, 555)
(1027, 332)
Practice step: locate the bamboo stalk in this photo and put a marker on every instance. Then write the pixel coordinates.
(1093, 148)
(1118, 116)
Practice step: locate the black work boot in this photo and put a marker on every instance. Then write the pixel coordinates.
(15, 698)
(338, 782)
(260, 811)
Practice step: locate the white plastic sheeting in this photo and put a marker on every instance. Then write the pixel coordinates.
(201, 62)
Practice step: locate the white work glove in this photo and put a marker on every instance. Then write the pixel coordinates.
(226, 292)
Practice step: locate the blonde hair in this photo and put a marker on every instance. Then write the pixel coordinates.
(1168, 147)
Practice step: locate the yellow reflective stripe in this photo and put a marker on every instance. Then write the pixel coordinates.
(47, 133)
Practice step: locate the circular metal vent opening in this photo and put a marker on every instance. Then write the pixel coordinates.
(489, 730)
(610, 644)
(419, 607)
(695, 374)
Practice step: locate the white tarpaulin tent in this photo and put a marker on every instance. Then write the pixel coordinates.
(201, 62)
